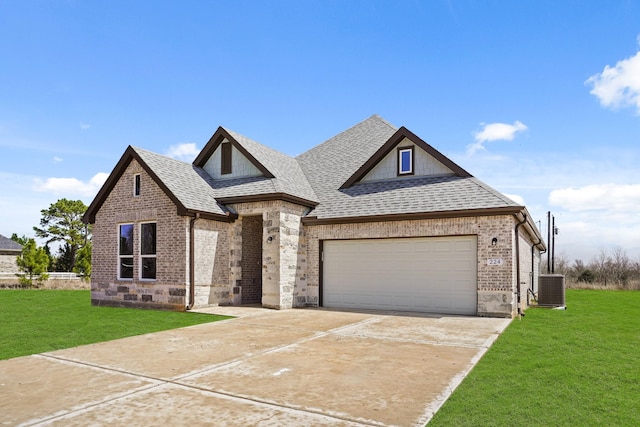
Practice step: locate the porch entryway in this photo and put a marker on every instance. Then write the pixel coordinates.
(251, 262)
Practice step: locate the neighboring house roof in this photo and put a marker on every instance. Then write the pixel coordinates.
(8, 245)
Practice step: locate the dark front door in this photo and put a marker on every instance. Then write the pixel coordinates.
(251, 263)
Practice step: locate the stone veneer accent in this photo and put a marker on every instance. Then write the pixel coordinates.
(496, 283)
(8, 262)
(283, 256)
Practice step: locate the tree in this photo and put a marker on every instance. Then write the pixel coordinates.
(83, 263)
(64, 259)
(20, 239)
(62, 222)
(33, 261)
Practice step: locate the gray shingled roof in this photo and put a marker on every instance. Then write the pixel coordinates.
(191, 185)
(330, 164)
(409, 196)
(288, 175)
(7, 244)
(318, 174)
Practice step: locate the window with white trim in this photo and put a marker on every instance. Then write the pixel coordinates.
(405, 161)
(148, 251)
(125, 252)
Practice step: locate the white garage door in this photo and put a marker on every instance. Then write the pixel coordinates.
(430, 274)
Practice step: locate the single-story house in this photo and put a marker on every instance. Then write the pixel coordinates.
(9, 252)
(373, 218)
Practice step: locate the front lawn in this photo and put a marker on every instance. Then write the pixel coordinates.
(35, 321)
(576, 367)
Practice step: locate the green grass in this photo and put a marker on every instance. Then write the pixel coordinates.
(578, 367)
(35, 321)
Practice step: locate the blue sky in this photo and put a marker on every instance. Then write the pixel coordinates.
(539, 99)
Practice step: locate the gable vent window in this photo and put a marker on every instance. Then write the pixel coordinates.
(136, 185)
(405, 161)
(225, 151)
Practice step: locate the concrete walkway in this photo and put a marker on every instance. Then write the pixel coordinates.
(264, 368)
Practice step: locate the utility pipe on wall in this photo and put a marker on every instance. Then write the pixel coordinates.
(192, 261)
(518, 225)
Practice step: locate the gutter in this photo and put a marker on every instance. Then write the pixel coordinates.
(518, 225)
(192, 261)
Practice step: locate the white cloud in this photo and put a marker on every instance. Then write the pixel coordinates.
(618, 86)
(71, 186)
(598, 216)
(57, 159)
(620, 197)
(518, 199)
(186, 151)
(495, 132)
(84, 126)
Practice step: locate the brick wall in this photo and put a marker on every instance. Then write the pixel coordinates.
(212, 276)
(496, 283)
(170, 287)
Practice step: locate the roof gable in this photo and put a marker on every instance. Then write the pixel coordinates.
(329, 164)
(398, 138)
(282, 177)
(187, 186)
(238, 142)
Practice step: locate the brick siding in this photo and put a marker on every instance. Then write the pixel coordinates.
(496, 283)
(169, 289)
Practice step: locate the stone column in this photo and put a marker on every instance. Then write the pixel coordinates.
(281, 238)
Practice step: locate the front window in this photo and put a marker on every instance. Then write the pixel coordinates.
(405, 161)
(125, 252)
(148, 251)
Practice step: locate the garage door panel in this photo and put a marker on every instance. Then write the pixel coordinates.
(409, 274)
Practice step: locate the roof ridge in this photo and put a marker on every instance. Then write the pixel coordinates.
(350, 129)
(493, 191)
(237, 134)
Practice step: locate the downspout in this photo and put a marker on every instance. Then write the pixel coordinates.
(518, 225)
(533, 249)
(192, 261)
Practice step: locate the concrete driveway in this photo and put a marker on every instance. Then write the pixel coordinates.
(264, 368)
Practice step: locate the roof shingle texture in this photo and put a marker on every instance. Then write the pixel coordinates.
(330, 164)
(7, 244)
(318, 174)
(288, 175)
(191, 185)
